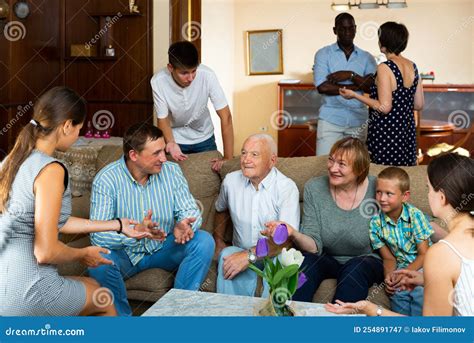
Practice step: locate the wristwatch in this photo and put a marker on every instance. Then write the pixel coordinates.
(379, 310)
(252, 258)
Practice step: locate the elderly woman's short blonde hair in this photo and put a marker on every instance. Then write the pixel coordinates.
(356, 153)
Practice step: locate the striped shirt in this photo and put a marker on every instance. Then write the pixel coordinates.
(402, 237)
(116, 194)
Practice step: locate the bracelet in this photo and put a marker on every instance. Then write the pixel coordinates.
(121, 226)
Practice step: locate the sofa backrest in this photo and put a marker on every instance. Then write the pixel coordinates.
(301, 169)
(204, 184)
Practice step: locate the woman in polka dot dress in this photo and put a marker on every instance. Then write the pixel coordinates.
(397, 92)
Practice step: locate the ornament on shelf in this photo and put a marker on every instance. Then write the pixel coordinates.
(133, 8)
(110, 51)
(89, 133)
(428, 76)
(106, 134)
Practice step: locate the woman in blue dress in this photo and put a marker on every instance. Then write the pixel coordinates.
(391, 137)
(35, 203)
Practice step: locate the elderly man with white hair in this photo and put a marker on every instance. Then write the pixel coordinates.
(253, 196)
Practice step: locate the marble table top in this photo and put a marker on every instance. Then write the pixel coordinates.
(178, 302)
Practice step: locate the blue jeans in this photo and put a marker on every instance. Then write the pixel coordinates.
(244, 283)
(409, 303)
(354, 278)
(191, 260)
(208, 145)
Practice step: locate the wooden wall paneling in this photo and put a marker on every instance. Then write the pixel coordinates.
(126, 78)
(185, 18)
(3, 135)
(5, 46)
(123, 115)
(120, 86)
(35, 66)
(42, 60)
(31, 58)
(303, 142)
(131, 72)
(80, 28)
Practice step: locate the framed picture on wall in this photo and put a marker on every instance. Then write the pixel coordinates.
(264, 52)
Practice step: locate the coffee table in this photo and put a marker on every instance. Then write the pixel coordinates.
(178, 302)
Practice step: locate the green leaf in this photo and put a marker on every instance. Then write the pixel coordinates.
(285, 273)
(278, 265)
(267, 269)
(272, 266)
(293, 283)
(256, 270)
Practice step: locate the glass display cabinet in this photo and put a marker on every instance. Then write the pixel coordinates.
(446, 106)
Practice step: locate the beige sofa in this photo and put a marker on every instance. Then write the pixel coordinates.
(149, 286)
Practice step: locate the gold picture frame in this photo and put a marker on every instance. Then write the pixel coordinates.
(264, 52)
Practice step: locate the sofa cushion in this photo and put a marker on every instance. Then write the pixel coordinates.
(151, 280)
(301, 169)
(152, 284)
(204, 184)
(81, 167)
(81, 205)
(107, 154)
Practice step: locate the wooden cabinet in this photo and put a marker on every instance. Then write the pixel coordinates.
(453, 104)
(298, 106)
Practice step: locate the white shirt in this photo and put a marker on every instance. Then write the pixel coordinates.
(190, 118)
(277, 198)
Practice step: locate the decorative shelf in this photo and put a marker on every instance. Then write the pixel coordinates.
(92, 58)
(112, 14)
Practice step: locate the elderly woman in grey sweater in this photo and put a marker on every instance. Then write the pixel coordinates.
(334, 234)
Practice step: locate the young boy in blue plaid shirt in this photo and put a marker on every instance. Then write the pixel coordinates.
(401, 233)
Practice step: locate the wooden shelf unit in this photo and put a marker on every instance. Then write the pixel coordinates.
(302, 100)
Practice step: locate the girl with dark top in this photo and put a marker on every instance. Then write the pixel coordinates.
(391, 137)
